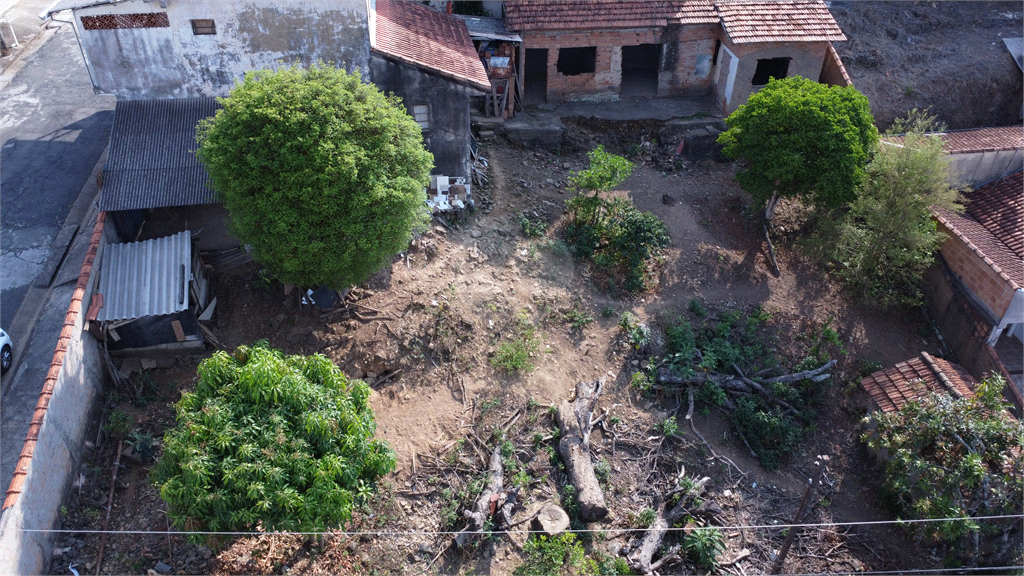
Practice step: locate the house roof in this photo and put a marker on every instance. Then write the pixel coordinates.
(592, 14)
(745, 22)
(792, 21)
(994, 139)
(62, 5)
(487, 28)
(149, 278)
(993, 226)
(152, 161)
(439, 43)
(905, 382)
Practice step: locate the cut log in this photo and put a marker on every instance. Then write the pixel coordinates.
(552, 519)
(488, 502)
(802, 375)
(640, 558)
(575, 421)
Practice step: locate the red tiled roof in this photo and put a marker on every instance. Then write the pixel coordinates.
(907, 381)
(999, 207)
(977, 140)
(983, 243)
(56, 364)
(792, 21)
(596, 14)
(414, 34)
(983, 139)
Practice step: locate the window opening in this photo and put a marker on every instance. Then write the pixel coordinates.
(203, 27)
(574, 61)
(768, 68)
(421, 114)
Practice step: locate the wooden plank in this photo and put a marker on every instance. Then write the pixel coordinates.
(179, 333)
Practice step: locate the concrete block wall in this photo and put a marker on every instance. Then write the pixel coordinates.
(686, 48)
(70, 395)
(977, 275)
(807, 61)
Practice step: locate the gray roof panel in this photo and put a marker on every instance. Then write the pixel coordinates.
(149, 278)
(152, 161)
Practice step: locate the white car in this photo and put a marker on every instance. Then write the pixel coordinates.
(6, 354)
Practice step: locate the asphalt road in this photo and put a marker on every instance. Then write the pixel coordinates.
(53, 130)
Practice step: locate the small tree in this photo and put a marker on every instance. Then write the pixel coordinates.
(882, 246)
(323, 175)
(606, 171)
(284, 441)
(954, 458)
(801, 139)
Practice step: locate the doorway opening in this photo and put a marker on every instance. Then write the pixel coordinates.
(535, 76)
(640, 70)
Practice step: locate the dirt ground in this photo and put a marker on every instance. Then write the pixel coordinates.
(421, 333)
(948, 57)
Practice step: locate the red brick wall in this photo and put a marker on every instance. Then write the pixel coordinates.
(690, 42)
(988, 286)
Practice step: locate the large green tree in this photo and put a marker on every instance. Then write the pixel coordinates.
(801, 139)
(882, 243)
(323, 174)
(955, 458)
(282, 441)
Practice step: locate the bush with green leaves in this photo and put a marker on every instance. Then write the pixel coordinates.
(954, 458)
(885, 240)
(703, 546)
(322, 174)
(514, 353)
(283, 442)
(548, 555)
(801, 139)
(617, 237)
(606, 171)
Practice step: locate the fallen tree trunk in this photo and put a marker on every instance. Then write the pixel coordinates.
(806, 374)
(640, 557)
(575, 421)
(488, 503)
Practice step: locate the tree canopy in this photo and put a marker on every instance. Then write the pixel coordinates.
(605, 172)
(801, 139)
(323, 174)
(286, 441)
(954, 458)
(883, 244)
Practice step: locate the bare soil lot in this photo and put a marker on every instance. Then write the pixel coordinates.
(422, 334)
(947, 57)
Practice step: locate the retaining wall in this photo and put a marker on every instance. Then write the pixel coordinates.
(52, 450)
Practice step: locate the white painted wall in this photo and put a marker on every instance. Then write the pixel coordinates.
(173, 62)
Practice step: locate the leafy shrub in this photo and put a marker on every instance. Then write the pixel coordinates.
(603, 471)
(640, 381)
(547, 555)
(703, 547)
(578, 319)
(954, 458)
(616, 237)
(119, 423)
(639, 334)
(646, 517)
(285, 442)
(532, 228)
(697, 308)
(669, 426)
(606, 171)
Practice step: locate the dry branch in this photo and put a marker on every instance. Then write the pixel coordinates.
(642, 554)
(575, 420)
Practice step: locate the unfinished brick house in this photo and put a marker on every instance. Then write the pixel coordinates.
(608, 49)
(978, 287)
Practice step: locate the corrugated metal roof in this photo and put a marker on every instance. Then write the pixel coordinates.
(486, 28)
(148, 278)
(61, 5)
(152, 161)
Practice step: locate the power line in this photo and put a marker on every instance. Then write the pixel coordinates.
(581, 531)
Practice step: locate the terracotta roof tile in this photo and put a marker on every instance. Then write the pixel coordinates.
(894, 387)
(983, 139)
(993, 227)
(417, 35)
(999, 207)
(597, 14)
(792, 21)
